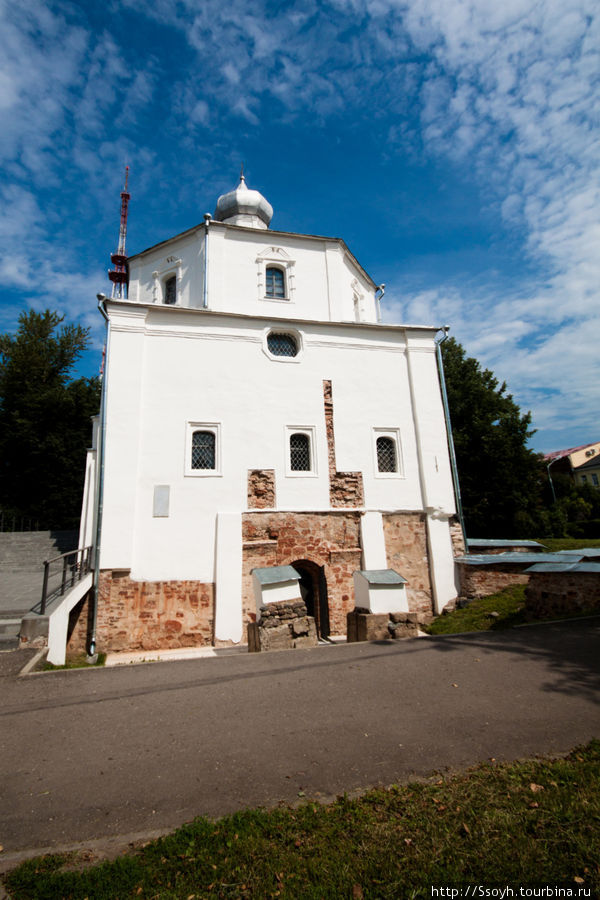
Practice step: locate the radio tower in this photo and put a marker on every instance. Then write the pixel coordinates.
(119, 275)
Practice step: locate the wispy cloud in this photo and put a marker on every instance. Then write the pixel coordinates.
(504, 96)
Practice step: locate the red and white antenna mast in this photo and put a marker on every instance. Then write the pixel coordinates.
(119, 275)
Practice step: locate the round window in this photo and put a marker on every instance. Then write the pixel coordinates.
(280, 344)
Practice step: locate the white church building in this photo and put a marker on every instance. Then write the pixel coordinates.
(257, 415)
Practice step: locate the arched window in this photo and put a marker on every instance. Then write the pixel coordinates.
(282, 344)
(171, 290)
(203, 450)
(300, 452)
(275, 283)
(387, 460)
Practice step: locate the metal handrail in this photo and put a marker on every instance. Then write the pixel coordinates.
(78, 569)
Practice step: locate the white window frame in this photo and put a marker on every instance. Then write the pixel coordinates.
(281, 329)
(160, 278)
(277, 258)
(310, 432)
(191, 427)
(394, 435)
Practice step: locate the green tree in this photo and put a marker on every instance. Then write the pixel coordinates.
(44, 420)
(500, 477)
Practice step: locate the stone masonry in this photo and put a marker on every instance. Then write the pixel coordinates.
(345, 488)
(139, 615)
(406, 549)
(480, 581)
(457, 537)
(562, 593)
(366, 626)
(328, 539)
(261, 489)
(282, 626)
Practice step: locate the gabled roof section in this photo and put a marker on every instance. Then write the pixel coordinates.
(261, 234)
(560, 454)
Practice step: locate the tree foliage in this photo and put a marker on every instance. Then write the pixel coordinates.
(44, 420)
(500, 477)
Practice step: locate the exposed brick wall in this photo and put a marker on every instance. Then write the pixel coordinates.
(406, 550)
(77, 633)
(562, 593)
(329, 539)
(261, 489)
(457, 538)
(145, 615)
(479, 581)
(345, 488)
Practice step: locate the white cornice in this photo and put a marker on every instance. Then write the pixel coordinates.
(125, 306)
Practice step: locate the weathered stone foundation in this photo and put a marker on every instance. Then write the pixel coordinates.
(562, 593)
(147, 615)
(407, 553)
(366, 626)
(282, 626)
(480, 581)
(328, 539)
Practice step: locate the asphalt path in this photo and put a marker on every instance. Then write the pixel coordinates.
(98, 753)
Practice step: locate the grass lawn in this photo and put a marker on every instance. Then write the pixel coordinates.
(75, 662)
(531, 823)
(555, 544)
(509, 604)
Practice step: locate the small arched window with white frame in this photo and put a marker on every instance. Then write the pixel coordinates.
(275, 283)
(170, 290)
(203, 450)
(166, 282)
(275, 275)
(300, 450)
(387, 452)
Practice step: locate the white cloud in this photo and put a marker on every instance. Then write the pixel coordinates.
(507, 92)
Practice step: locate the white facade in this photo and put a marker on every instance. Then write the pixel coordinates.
(203, 364)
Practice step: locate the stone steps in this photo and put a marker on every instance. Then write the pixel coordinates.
(9, 633)
(24, 551)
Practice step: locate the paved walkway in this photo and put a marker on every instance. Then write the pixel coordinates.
(102, 753)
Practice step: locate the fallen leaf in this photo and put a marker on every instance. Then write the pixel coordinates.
(578, 879)
(466, 828)
(536, 787)
(357, 892)
(408, 840)
(533, 804)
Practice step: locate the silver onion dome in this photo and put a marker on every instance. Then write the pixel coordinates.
(244, 207)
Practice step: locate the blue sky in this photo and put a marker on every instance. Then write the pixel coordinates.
(454, 145)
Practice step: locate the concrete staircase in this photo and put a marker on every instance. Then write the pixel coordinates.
(22, 557)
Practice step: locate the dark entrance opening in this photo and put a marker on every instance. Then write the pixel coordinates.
(313, 590)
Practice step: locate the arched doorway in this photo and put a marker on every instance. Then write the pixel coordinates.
(313, 590)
